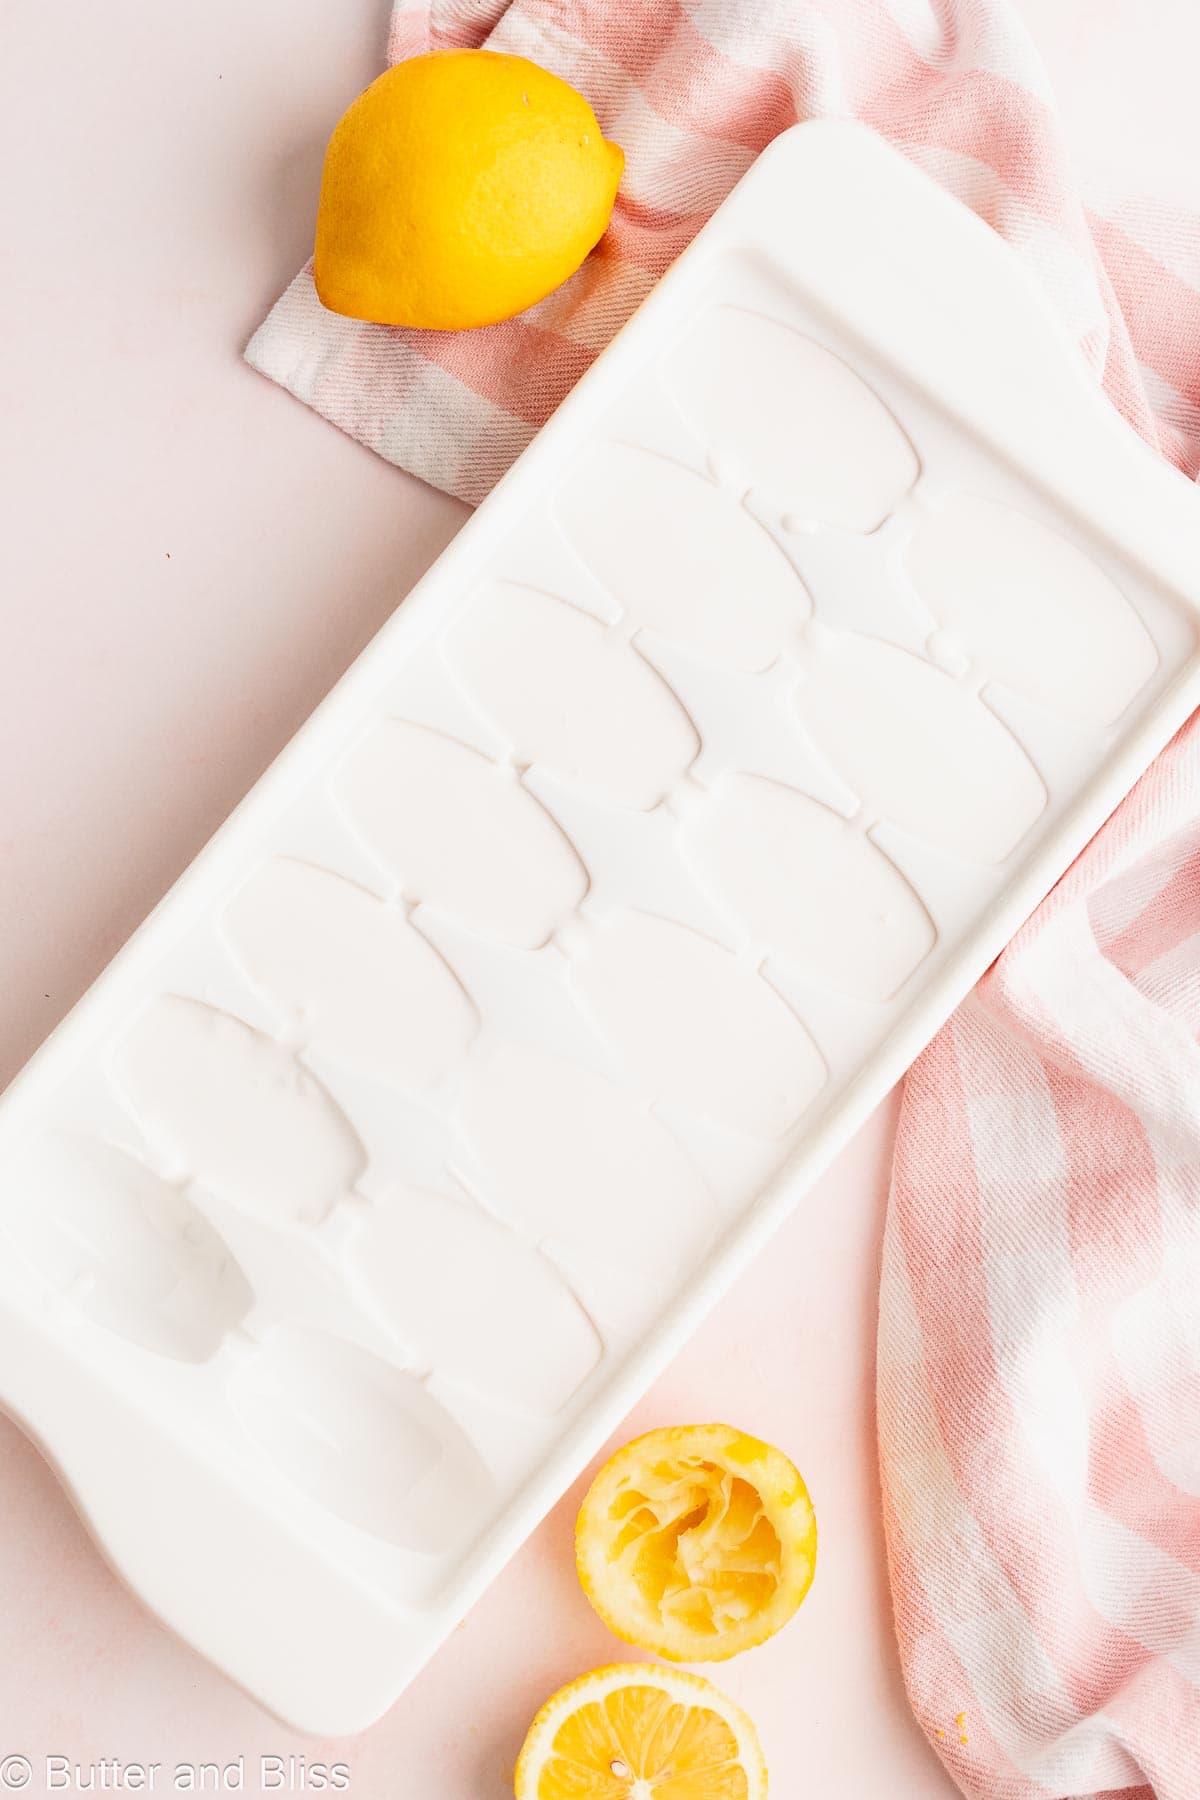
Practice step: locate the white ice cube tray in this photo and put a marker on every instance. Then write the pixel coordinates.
(616, 882)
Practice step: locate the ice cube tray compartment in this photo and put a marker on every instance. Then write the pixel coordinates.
(635, 858)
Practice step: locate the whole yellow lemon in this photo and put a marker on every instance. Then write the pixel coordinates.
(460, 188)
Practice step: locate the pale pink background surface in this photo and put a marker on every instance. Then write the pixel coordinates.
(187, 562)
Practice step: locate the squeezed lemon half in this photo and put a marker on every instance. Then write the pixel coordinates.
(696, 1542)
(635, 1731)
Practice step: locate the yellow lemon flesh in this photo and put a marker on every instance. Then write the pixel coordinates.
(638, 1732)
(696, 1542)
(462, 187)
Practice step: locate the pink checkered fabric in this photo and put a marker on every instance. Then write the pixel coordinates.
(1039, 1340)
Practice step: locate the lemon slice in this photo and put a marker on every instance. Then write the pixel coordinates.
(638, 1732)
(696, 1542)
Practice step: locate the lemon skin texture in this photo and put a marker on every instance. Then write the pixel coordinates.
(458, 190)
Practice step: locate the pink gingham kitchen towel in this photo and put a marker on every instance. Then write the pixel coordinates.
(1039, 1341)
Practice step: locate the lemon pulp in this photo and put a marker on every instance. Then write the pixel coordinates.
(640, 1732)
(696, 1542)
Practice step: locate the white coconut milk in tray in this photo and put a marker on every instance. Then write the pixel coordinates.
(617, 881)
